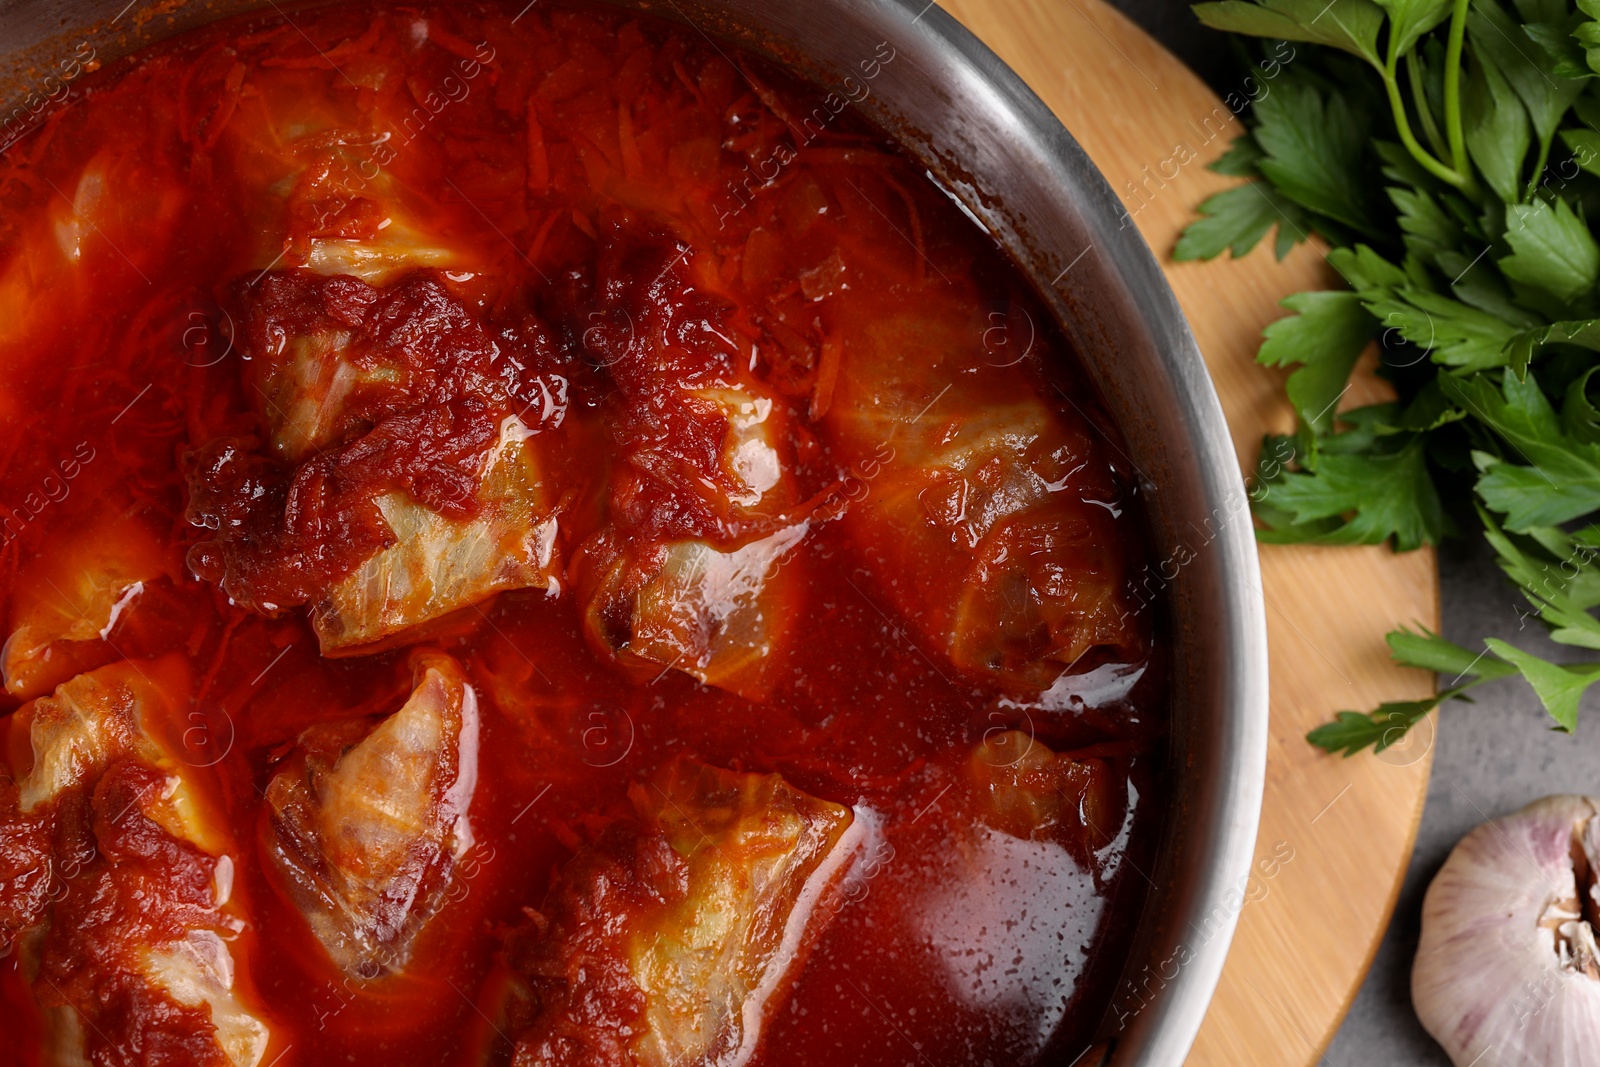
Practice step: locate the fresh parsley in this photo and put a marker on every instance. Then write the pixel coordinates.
(1449, 154)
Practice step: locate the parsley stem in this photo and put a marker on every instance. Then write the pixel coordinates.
(1452, 89)
(1403, 125)
(1538, 169)
(1419, 99)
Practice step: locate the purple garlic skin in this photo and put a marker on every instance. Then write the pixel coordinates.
(1506, 973)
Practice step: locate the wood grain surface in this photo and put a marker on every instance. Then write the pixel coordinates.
(1336, 833)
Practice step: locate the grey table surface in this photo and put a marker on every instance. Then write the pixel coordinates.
(1490, 757)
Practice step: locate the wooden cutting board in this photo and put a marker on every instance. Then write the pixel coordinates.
(1336, 834)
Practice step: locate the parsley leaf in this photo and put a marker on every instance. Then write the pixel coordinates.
(1453, 333)
(1239, 161)
(1350, 25)
(1356, 498)
(1326, 338)
(1313, 150)
(1430, 652)
(1587, 33)
(1365, 270)
(1558, 688)
(1526, 346)
(1552, 250)
(1410, 19)
(1558, 38)
(1579, 416)
(1584, 144)
(1351, 731)
(1558, 577)
(1561, 479)
(1546, 93)
(1236, 219)
(1429, 230)
(1497, 129)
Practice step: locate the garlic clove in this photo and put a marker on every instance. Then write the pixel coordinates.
(1507, 972)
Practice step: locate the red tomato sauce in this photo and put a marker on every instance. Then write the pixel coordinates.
(626, 211)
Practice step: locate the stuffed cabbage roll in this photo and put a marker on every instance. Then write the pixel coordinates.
(368, 822)
(402, 478)
(673, 938)
(438, 564)
(1025, 789)
(717, 614)
(397, 478)
(128, 947)
(1006, 510)
(323, 176)
(702, 512)
(68, 599)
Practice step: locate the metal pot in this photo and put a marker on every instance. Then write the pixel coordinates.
(997, 148)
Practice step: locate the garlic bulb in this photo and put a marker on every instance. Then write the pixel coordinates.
(1507, 973)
